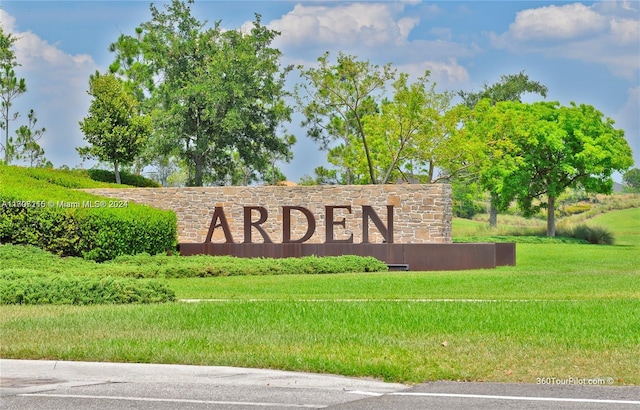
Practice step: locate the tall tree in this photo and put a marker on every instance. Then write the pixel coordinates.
(494, 129)
(508, 88)
(214, 92)
(410, 135)
(116, 133)
(631, 179)
(554, 148)
(335, 97)
(11, 87)
(26, 145)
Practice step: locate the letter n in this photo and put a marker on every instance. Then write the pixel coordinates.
(219, 220)
(386, 231)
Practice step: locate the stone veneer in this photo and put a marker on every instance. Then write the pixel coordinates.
(422, 213)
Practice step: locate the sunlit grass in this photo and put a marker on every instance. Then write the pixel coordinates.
(394, 341)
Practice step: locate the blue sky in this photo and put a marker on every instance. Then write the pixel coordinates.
(587, 52)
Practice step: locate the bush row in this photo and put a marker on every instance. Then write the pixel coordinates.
(126, 178)
(27, 288)
(146, 266)
(72, 223)
(597, 235)
(68, 178)
(83, 178)
(98, 234)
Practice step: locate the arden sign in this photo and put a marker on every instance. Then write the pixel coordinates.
(219, 220)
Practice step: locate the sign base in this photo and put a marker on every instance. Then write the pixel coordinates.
(416, 257)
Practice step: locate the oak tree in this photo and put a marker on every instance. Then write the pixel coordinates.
(551, 148)
(213, 92)
(509, 87)
(116, 133)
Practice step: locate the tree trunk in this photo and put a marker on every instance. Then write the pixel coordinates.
(372, 174)
(198, 177)
(117, 172)
(493, 212)
(6, 136)
(369, 160)
(551, 216)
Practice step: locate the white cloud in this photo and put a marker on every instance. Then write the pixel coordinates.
(606, 33)
(8, 22)
(556, 22)
(56, 90)
(369, 24)
(625, 31)
(442, 33)
(446, 74)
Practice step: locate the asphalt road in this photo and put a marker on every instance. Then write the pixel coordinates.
(43, 385)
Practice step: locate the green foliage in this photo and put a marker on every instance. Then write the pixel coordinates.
(26, 146)
(25, 288)
(114, 129)
(597, 235)
(527, 238)
(508, 88)
(575, 209)
(631, 179)
(163, 266)
(536, 151)
(488, 165)
(126, 178)
(562, 307)
(212, 92)
(73, 223)
(74, 179)
(206, 266)
(466, 198)
(334, 100)
(415, 133)
(11, 87)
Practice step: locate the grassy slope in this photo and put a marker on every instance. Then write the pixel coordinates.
(37, 184)
(77, 179)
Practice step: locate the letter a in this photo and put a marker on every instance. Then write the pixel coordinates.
(218, 215)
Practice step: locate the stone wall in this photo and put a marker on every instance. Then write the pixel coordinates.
(421, 213)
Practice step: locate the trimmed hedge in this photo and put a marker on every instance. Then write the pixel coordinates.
(72, 223)
(126, 178)
(163, 266)
(31, 288)
(68, 178)
(17, 258)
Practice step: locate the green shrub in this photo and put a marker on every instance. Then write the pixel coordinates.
(76, 178)
(97, 234)
(108, 233)
(575, 209)
(146, 266)
(31, 259)
(126, 178)
(67, 222)
(27, 289)
(597, 235)
(518, 239)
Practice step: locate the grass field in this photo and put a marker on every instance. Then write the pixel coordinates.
(565, 310)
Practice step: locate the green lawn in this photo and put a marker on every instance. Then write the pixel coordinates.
(565, 310)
